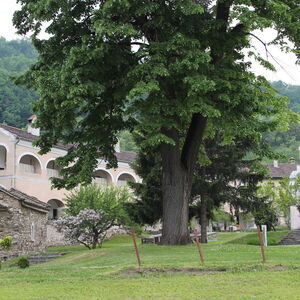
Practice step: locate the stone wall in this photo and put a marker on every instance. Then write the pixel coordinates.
(55, 238)
(26, 226)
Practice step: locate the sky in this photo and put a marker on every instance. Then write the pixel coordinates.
(287, 71)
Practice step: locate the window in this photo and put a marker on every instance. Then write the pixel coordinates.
(32, 232)
(30, 164)
(2, 157)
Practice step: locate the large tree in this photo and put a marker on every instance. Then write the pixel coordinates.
(164, 67)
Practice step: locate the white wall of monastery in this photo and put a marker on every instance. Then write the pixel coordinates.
(26, 170)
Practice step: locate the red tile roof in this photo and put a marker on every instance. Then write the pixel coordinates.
(24, 135)
(283, 170)
(27, 201)
(123, 156)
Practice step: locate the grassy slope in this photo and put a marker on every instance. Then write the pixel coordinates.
(84, 274)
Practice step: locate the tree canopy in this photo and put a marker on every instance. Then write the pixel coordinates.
(161, 67)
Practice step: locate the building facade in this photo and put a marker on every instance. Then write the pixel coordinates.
(24, 169)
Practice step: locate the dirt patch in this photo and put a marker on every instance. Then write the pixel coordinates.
(277, 268)
(190, 271)
(194, 271)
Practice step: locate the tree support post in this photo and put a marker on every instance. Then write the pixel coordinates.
(135, 246)
(261, 244)
(198, 245)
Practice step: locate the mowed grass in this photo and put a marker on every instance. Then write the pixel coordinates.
(235, 272)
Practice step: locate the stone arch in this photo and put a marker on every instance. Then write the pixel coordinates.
(3, 156)
(56, 208)
(30, 163)
(124, 177)
(102, 177)
(52, 168)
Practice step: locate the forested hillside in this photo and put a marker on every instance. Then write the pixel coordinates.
(15, 101)
(288, 142)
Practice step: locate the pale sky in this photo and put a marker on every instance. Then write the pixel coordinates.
(287, 71)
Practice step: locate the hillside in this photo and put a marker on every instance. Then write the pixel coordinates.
(15, 101)
(287, 143)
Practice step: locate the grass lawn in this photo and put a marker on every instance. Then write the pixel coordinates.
(232, 270)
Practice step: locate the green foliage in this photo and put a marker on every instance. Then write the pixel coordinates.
(116, 65)
(127, 141)
(108, 199)
(220, 216)
(226, 176)
(147, 205)
(16, 57)
(23, 262)
(6, 243)
(92, 211)
(282, 194)
(264, 213)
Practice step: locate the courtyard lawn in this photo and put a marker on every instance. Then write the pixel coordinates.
(232, 270)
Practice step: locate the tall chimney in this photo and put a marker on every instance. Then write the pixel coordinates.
(30, 128)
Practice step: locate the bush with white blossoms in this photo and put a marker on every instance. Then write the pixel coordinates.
(92, 211)
(89, 227)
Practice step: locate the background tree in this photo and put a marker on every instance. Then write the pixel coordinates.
(225, 176)
(282, 194)
(164, 67)
(147, 205)
(91, 211)
(88, 227)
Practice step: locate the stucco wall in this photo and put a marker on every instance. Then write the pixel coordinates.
(295, 218)
(39, 185)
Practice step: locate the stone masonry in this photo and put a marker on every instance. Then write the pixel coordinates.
(23, 218)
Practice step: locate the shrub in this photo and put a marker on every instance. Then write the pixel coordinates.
(6, 243)
(23, 262)
(92, 211)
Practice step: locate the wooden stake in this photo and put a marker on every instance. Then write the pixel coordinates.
(198, 245)
(135, 246)
(261, 244)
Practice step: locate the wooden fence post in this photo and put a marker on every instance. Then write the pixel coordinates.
(135, 246)
(261, 244)
(198, 245)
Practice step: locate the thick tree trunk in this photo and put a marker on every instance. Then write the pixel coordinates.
(177, 171)
(176, 194)
(203, 221)
(176, 187)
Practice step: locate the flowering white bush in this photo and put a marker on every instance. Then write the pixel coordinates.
(92, 210)
(89, 227)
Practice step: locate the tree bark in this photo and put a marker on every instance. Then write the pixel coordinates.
(176, 184)
(177, 172)
(95, 239)
(203, 221)
(176, 187)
